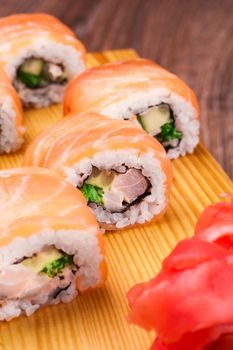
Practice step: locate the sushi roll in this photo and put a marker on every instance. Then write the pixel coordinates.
(11, 117)
(51, 248)
(142, 91)
(123, 173)
(40, 55)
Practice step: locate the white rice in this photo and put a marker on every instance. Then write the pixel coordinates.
(9, 140)
(86, 254)
(185, 115)
(141, 212)
(52, 52)
(41, 97)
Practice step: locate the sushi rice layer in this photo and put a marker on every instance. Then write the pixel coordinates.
(185, 115)
(144, 210)
(23, 291)
(52, 52)
(9, 140)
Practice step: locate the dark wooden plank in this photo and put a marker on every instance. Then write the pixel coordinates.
(191, 38)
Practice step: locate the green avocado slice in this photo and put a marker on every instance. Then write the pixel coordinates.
(154, 118)
(32, 66)
(159, 122)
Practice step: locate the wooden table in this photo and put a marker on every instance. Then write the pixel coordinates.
(191, 38)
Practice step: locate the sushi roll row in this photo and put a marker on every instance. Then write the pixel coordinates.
(39, 67)
(105, 166)
(51, 246)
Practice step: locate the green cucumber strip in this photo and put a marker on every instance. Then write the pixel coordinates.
(30, 80)
(169, 132)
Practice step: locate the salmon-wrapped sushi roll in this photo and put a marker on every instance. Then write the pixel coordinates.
(142, 91)
(51, 248)
(123, 173)
(40, 55)
(11, 117)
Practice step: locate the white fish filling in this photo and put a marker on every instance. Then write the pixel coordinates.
(9, 140)
(184, 113)
(36, 290)
(52, 52)
(144, 210)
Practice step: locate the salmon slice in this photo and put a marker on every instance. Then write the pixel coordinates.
(29, 192)
(17, 32)
(130, 89)
(111, 84)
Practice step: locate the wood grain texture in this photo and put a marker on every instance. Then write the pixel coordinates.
(97, 321)
(191, 38)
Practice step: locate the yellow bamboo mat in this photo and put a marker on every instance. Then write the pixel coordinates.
(96, 321)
